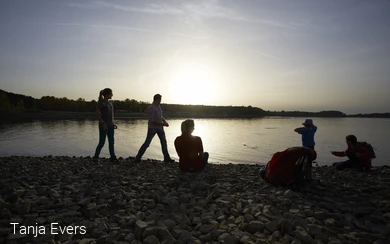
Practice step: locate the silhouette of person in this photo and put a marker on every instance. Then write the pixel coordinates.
(105, 115)
(156, 123)
(190, 149)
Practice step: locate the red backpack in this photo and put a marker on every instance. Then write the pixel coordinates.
(286, 167)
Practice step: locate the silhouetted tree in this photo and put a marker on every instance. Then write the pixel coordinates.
(4, 102)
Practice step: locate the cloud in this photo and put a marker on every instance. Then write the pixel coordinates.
(124, 28)
(191, 11)
(334, 59)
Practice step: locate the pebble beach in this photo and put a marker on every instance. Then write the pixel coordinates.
(73, 200)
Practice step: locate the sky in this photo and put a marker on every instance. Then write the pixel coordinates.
(306, 55)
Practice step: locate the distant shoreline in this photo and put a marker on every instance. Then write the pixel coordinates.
(26, 115)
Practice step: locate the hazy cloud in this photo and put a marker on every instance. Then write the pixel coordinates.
(125, 28)
(195, 11)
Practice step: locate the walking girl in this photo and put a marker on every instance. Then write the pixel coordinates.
(105, 115)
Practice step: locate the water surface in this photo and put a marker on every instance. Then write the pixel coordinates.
(227, 140)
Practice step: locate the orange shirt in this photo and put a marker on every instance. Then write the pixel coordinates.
(188, 148)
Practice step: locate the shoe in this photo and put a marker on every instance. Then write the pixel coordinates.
(114, 160)
(169, 160)
(95, 160)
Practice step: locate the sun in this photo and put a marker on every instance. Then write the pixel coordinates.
(194, 84)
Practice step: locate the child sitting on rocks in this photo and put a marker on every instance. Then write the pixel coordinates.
(359, 155)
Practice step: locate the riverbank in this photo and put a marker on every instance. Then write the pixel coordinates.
(152, 202)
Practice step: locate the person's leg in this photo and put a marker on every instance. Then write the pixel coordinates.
(164, 147)
(110, 136)
(148, 140)
(351, 156)
(308, 169)
(356, 164)
(344, 165)
(102, 139)
(205, 158)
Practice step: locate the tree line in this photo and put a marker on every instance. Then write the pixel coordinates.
(12, 101)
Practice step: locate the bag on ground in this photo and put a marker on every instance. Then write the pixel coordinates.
(290, 166)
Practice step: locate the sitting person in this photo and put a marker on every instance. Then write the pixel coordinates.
(291, 166)
(190, 149)
(359, 155)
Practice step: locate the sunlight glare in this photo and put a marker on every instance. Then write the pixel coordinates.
(194, 84)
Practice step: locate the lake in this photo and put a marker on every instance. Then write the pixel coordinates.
(227, 140)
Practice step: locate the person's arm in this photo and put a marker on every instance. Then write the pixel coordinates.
(165, 123)
(177, 147)
(339, 153)
(299, 130)
(99, 117)
(200, 148)
(152, 112)
(156, 122)
(113, 118)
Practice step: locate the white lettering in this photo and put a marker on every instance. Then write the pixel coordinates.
(83, 230)
(14, 224)
(53, 228)
(70, 230)
(23, 230)
(32, 229)
(41, 230)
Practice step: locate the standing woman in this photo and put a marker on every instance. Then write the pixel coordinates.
(105, 115)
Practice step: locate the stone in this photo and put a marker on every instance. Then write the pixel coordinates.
(185, 237)
(303, 236)
(234, 212)
(207, 228)
(323, 237)
(271, 226)
(313, 229)
(227, 239)
(160, 232)
(86, 240)
(130, 237)
(139, 228)
(248, 218)
(84, 201)
(255, 226)
(150, 240)
(319, 215)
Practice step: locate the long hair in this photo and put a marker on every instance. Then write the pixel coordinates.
(104, 93)
(187, 126)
